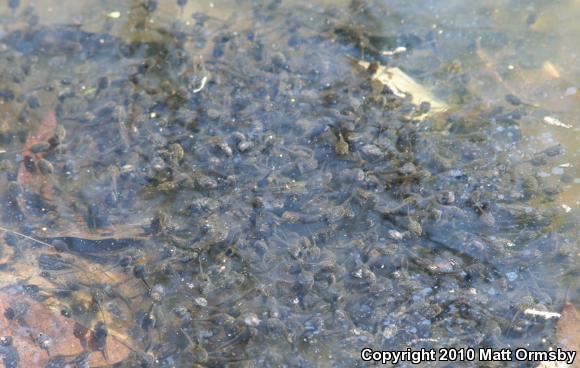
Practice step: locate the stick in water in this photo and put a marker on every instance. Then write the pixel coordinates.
(25, 236)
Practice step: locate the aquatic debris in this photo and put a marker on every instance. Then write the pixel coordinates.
(567, 334)
(566, 208)
(568, 327)
(25, 317)
(402, 85)
(114, 14)
(58, 325)
(341, 146)
(550, 69)
(201, 85)
(24, 236)
(555, 122)
(398, 50)
(546, 315)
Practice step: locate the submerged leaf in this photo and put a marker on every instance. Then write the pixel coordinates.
(568, 335)
(36, 334)
(38, 287)
(402, 85)
(568, 328)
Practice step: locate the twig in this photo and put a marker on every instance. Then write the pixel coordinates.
(546, 315)
(25, 236)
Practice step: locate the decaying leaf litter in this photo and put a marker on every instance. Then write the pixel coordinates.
(241, 196)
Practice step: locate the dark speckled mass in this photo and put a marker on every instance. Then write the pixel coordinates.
(186, 190)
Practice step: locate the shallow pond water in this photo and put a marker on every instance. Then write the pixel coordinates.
(284, 183)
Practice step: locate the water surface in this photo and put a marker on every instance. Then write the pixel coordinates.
(230, 183)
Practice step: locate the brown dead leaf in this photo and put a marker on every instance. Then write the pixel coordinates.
(29, 319)
(568, 330)
(568, 335)
(23, 267)
(402, 85)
